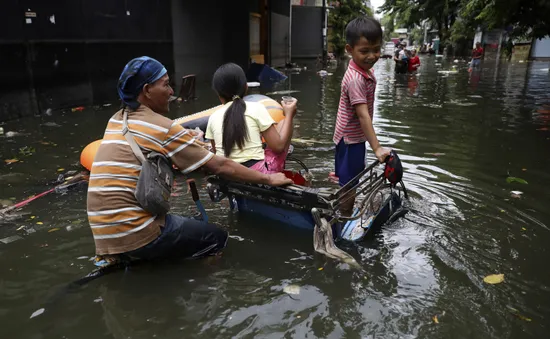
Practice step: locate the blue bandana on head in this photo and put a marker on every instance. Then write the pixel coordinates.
(136, 74)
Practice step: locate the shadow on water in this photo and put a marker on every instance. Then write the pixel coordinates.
(459, 137)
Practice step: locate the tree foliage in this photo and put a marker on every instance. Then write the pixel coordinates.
(456, 20)
(343, 12)
(417, 35)
(522, 18)
(388, 24)
(442, 14)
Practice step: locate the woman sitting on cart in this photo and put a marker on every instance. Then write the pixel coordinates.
(237, 128)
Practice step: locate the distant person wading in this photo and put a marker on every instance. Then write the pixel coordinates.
(401, 59)
(477, 54)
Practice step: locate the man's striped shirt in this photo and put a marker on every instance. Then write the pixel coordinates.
(358, 87)
(118, 222)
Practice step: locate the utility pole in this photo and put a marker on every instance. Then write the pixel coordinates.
(325, 28)
(290, 35)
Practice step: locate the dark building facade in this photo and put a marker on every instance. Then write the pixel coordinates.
(65, 53)
(307, 33)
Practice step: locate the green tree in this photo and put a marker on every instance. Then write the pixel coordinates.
(417, 35)
(344, 11)
(442, 14)
(388, 23)
(456, 20)
(523, 18)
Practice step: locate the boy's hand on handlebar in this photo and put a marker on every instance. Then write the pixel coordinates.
(382, 153)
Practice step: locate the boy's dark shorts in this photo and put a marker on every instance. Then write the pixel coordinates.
(349, 161)
(183, 237)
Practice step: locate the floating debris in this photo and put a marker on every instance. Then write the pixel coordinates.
(37, 313)
(53, 229)
(106, 105)
(292, 289)
(515, 179)
(311, 141)
(236, 237)
(516, 194)
(448, 72)
(494, 279)
(6, 202)
(434, 318)
(1, 130)
(10, 239)
(27, 151)
(51, 124)
(11, 161)
(283, 92)
(77, 109)
(82, 257)
(464, 104)
(12, 134)
(517, 314)
(98, 300)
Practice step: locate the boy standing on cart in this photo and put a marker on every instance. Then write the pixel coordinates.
(355, 110)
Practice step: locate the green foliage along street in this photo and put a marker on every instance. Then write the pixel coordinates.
(343, 12)
(457, 20)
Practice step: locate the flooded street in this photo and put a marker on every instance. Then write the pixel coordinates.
(459, 136)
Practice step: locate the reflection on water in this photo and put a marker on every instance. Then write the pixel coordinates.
(459, 136)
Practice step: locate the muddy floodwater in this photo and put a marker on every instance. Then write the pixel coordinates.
(460, 136)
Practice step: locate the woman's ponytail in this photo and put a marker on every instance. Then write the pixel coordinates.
(229, 82)
(235, 131)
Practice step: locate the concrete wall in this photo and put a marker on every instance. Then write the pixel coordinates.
(307, 32)
(71, 52)
(197, 37)
(207, 34)
(279, 39)
(76, 57)
(279, 32)
(541, 49)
